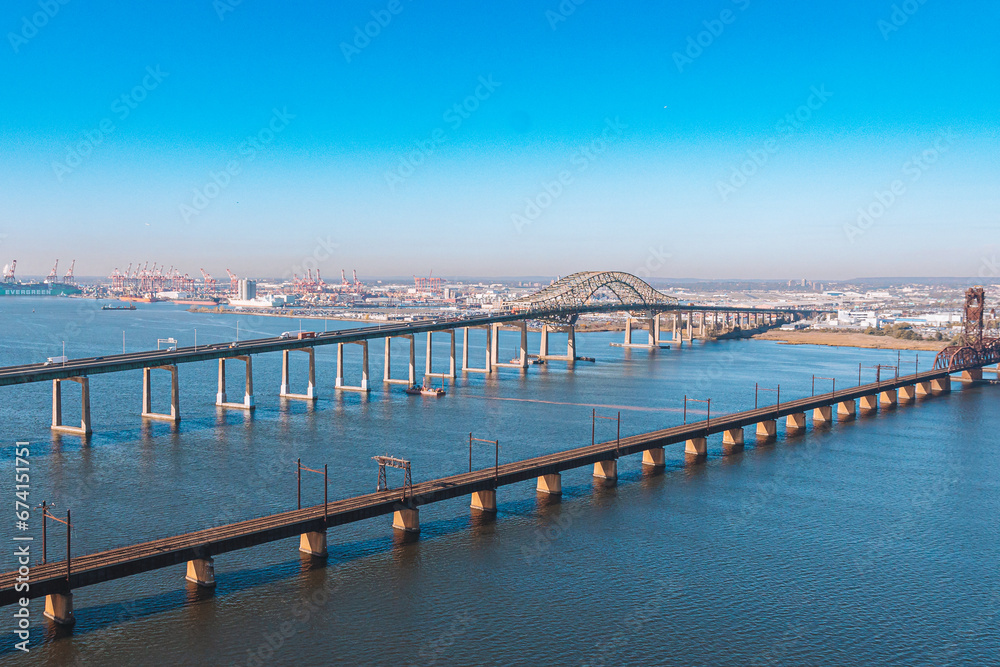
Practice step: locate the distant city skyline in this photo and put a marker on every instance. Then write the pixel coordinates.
(725, 140)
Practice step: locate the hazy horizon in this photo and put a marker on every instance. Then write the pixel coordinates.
(481, 140)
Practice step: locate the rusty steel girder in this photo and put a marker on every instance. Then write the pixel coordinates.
(976, 350)
(960, 357)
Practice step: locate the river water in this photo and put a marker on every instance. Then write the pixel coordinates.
(867, 542)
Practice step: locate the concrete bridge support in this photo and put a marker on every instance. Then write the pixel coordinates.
(310, 394)
(220, 397)
(733, 436)
(677, 336)
(907, 393)
(543, 349)
(313, 543)
(488, 368)
(57, 423)
(147, 395)
(551, 484)
(606, 469)
(407, 520)
(429, 363)
(697, 447)
(201, 571)
(767, 428)
(887, 398)
(846, 409)
(484, 501)
(972, 375)
(655, 457)
(795, 421)
(823, 414)
(363, 387)
(941, 385)
(522, 361)
(387, 373)
(652, 332)
(59, 608)
(869, 403)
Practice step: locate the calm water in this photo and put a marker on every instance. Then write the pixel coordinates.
(870, 542)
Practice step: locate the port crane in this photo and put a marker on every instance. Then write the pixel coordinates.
(430, 284)
(123, 280)
(8, 271)
(234, 282)
(209, 281)
(53, 274)
(69, 279)
(117, 281)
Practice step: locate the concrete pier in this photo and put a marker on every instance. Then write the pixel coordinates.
(655, 457)
(488, 368)
(887, 398)
(869, 403)
(767, 428)
(147, 395)
(407, 520)
(606, 469)
(84, 429)
(696, 446)
(941, 385)
(363, 387)
(484, 501)
(285, 392)
(651, 327)
(313, 543)
(550, 484)
(846, 409)
(823, 414)
(59, 608)
(795, 421)
(429, 362)
(220, 397)
(972, 375)
(907, 393)
(201, 571)
(733, 436)
(411, 378)
(543, 346)
(522, 359)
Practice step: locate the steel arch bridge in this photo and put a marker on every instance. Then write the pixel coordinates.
(575, 291)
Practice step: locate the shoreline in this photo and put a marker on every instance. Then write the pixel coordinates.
(860, 340)
(580, 328)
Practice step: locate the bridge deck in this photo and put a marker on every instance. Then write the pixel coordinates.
(114, 363)
(135, 559)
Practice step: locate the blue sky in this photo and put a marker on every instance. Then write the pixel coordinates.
(701, 139)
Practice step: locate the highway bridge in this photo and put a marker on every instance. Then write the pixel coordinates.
(57, 580)
(557, 306)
